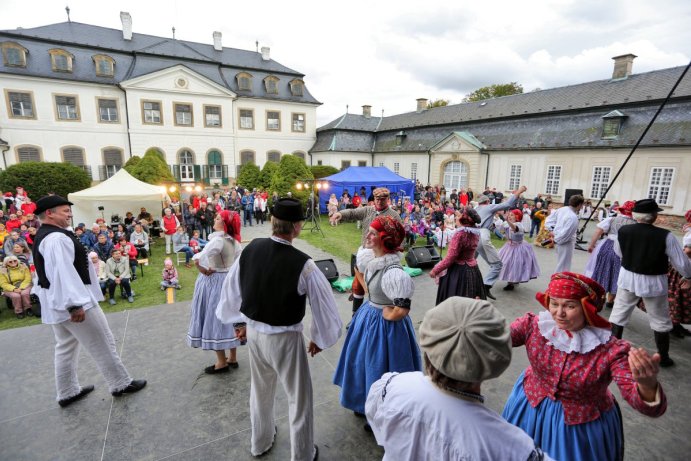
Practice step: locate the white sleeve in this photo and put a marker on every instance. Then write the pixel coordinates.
(551, 220)
(605, 224)
(396, 283)
(363, 258)
(228, 309)
(566, 230)
(214, 247)
(326, 323)
(677, 257)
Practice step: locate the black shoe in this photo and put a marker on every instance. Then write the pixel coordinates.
(367, 428)
(666, 362)
(609, 305)
(212, 370)
(679, 331)
(233, 365)
(20, 315)
(509, 287)
(617, 331)
(83, 393)
(135, 386)
(358, 414)
(29, 312)
(489, 293)
(316, 453)
(662, 343)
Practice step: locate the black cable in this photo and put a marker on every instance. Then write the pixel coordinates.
(640, 139)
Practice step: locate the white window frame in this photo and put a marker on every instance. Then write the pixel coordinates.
(455, 178)
(515, 172)
(660, 184)
(553, 179)
(243, 121)
(298, 122)
(152, 116)
(413, 171)
(381, 163)
(396, 167)
(212, 120)
(186, 165)
(600, 181)
(111, 113)
(24, 106)
(183, 117)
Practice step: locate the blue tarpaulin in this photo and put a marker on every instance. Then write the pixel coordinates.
(355, 177)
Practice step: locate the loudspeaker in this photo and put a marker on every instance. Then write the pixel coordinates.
(328, 268)
(426, 256)
(569, 192)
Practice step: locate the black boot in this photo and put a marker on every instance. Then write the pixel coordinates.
(489, 293)
(662, 343)
(617, 331)
(357, 302)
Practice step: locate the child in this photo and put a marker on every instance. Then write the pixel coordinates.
(518, 258)
(170, 275)
(196, 243)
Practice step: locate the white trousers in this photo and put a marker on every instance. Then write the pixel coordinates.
(280, 357)
(169, 242)
(490, 254)
(564, 257)
(657, 308)
(95, 335)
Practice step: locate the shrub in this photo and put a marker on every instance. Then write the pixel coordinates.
(131, 163)
(152, 169)
(322, 171)
(290, 170)
(40, 178)
(249, 176)
(267, 174)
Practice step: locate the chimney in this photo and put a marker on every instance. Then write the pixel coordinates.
(622, 66)
(218, 46)
(126, 25)
(266, 53)
(421, 104)
(366, 111)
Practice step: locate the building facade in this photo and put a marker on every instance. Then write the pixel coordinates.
(574, 137)
(94, 97)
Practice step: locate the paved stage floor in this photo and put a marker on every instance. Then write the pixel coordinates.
(184, 414)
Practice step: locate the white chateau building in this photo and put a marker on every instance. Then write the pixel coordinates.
(574, 137)
(95, 96)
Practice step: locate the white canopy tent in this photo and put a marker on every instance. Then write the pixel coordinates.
(120, 193)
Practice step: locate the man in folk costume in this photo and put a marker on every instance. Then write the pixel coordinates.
(366, 214)
(69, 292)
(485, 248)
(265, 295)
(564, 224)
(646, 252)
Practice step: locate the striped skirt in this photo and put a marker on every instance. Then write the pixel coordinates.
(205, 330)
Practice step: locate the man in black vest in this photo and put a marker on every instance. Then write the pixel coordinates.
(267, 287)
(69, 292)
(646, 252)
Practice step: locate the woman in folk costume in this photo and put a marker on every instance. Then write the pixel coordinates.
(604, 264)
(543, 239)
(214, 261)
(562, 399)
(458, 273)
(381, 337)
(519, 264)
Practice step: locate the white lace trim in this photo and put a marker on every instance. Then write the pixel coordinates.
(581, 341)
(383, 261)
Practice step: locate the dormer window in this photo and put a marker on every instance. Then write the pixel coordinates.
(13, 54)
(400, 137)
(244, 81)
(296, 87)
(61, 60)
(611, 124)
(105, 65)
(271, 84)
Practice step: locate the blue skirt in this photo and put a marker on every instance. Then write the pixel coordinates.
(602, 439)
(607, 266)
(374, 346)
(205, 330)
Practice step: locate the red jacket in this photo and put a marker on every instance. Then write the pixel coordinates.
(28, 208)
(12, 224)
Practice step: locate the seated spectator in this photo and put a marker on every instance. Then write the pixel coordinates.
(90, 237)
(100, 268)
(30, 236)
(442, 415)
(130, 252)
(3, 234)
(140, 239)
(10, 240)
(129, 220)
(143, 214)
(3, 217)
(15, 281)
(32, 221)
(170, 276)
(118, 272)
(120, 231)
(103, 247)
(22, 251)
(13, 223)
(181, 244)
(197, 243)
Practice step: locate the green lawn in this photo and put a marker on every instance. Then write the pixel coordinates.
(147, 291)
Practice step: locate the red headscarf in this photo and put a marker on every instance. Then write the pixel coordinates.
(627, 208)
(231, 222)
(391, 232)
(518, 214)
(688, 216)
(569, 285)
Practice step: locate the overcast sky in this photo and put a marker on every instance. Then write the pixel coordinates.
(388, 53)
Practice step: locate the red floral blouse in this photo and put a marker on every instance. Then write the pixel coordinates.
(461, 251)
(578, 381)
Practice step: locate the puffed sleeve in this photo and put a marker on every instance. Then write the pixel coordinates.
(521, 328)
(605, 224)
(214, 247)
(621, 374)
(398, 286)
(363, 258)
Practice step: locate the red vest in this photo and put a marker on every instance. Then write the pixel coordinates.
(170, 224)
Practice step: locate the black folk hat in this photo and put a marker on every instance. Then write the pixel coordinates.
(288, 209)
(647, 205)
(50, 201)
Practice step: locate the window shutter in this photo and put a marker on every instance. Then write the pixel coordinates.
(205, 174)
(112, 157)
(102, 174)
(28, 154)
(197, 172)
(176, 172)
(74, 155)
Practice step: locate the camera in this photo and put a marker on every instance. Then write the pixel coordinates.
(101, 208)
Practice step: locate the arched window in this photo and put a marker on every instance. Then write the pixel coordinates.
(28, 154)
(273, 156)
(296, 87)
(105, 65)
(244, 80)
(13, 54)
(75, 156)
(299, 154)
(455, 175)
(271, 84)
(246, 156)
(215, 164)
(112, 162)
(186, 161)
(61, 60)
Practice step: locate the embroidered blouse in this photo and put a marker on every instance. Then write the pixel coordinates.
(461, 251)
(579, 380)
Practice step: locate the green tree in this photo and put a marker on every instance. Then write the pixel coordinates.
(131, 163)
(438, 103)
(40, 178)
(322, 171)
(290, 170)
(267, 174)
(494, 91)
(152, 169)
(249, 176)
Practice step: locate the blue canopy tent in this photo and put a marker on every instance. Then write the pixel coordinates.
(355, 177)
